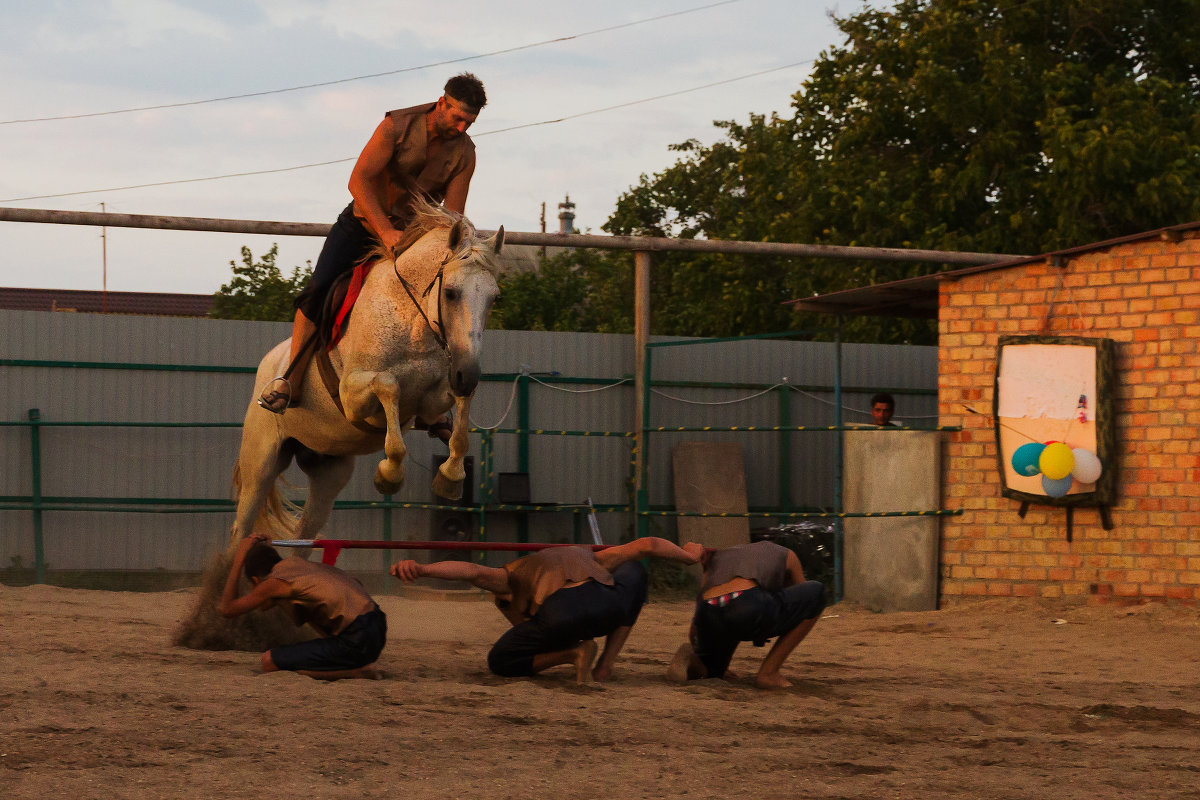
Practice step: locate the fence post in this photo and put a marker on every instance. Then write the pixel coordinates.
(35, 449)
(784, 461)
(641, 378)
(839, 523)
(387, 527)
(523, 446)
(487, 492)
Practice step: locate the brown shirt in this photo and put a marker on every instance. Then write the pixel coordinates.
(765, 563)
(323, 596)
(414, 170)
(535, 577)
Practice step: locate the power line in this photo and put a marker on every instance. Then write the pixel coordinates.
(374, 74)
(473, 136)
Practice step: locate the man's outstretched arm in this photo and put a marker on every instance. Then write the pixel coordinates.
(492, 579)
(649, 547)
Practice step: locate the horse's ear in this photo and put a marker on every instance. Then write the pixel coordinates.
(456, 235)
(499, 240)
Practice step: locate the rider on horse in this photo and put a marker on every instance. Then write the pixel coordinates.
(418, 152)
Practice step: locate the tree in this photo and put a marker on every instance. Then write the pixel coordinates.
(969, 125)
(259, 290)
(576, 290)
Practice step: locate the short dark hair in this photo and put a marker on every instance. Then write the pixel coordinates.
(467, 88)
(884, 397)
(260, 560)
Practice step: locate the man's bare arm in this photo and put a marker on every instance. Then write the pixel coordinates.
(492, 579)
(649, 547)
(456, 191)
(366, 183)
(230, 604)
(795, 572)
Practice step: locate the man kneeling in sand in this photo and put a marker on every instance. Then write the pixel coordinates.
(750, 593)
(559, 599)
(353, 627)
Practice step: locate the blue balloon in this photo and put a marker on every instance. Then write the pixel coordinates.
(1058, 488)
(1025, 460)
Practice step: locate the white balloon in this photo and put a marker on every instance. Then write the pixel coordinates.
(1087, 466)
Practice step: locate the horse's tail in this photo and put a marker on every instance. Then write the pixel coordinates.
(279, 518)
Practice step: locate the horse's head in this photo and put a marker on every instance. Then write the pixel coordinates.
(468, 289)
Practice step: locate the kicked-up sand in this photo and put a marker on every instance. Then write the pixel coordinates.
(994, 699)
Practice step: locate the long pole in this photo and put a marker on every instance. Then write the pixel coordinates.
(104, 268)
(641, 381)
(635, 243)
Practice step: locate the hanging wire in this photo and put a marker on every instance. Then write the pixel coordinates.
(579, 391)
(511, 397)
(375, 74)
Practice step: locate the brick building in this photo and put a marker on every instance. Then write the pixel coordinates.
(1141, 291)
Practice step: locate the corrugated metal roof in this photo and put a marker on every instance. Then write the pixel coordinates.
(155, 304)
(918, 297)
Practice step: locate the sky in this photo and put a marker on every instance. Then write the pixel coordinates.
(540, 61)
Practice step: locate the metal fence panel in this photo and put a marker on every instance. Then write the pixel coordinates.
(184, 462)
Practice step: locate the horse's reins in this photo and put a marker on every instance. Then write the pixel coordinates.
(439, 333)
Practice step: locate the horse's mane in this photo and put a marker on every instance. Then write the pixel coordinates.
(427, 217)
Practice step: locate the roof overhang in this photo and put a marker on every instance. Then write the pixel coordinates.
(917, 298)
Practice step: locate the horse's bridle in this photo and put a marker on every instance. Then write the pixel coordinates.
(439, 333)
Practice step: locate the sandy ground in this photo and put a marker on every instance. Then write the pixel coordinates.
(1002, 699)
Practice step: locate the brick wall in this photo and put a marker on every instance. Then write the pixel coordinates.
(1145, 296)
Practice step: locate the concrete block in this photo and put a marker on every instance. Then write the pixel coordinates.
(710, 477)
(891, 563)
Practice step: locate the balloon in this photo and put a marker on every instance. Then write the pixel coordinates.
(1087, 466)
(1025, 459)
(1056, 461)
(1057, 488)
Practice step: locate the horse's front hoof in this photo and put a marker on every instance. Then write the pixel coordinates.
(388, 479)
(444, 487)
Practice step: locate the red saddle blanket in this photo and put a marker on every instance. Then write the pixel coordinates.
(353, 289)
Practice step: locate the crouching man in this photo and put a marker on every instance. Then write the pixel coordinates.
(559, 599)
(353, 627)
(749, 593)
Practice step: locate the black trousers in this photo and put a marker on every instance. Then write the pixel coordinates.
(569, 616)
(348, 243)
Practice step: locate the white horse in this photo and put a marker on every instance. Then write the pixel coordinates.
(411, 351)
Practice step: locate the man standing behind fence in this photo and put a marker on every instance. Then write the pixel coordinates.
(559, 599)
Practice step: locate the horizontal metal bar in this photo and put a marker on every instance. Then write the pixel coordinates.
(776, 428)
(183, 505)
(377, 544)
(634, 243)
(37, 362)
(101, 424)
(544, 432)
(113, 220)
(806, 514)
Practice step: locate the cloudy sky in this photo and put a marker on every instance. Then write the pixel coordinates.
(540, 62)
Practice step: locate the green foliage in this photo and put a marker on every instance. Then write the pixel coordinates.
(575, 290)
(965, 125)
(259, 290)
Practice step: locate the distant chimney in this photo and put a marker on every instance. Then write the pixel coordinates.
(566, 216)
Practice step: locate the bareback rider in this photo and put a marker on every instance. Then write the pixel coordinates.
(418, 152)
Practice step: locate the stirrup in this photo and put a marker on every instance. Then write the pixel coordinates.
(277, 401)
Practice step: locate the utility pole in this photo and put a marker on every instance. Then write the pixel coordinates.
(104, 262)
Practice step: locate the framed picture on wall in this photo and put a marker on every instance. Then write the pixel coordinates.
(1052, 409)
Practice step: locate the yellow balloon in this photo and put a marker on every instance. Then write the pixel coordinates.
(1056, 461)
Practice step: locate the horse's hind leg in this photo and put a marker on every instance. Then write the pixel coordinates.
(448, 482)
(356, 390)
(327, 476)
